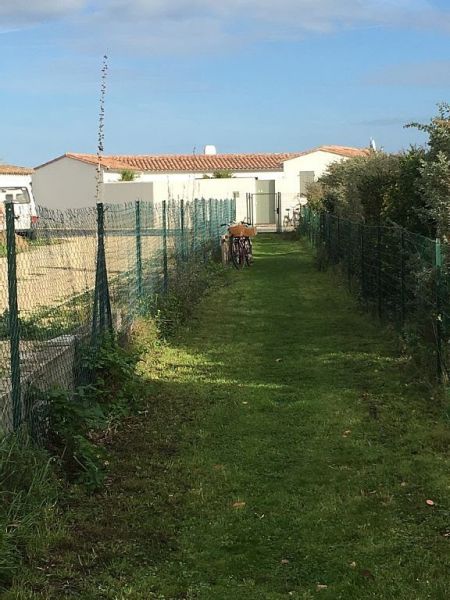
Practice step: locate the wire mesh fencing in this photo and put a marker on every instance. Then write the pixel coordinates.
(400, 276)
(85, 273)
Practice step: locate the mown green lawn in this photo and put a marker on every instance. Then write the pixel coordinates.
(286, 452)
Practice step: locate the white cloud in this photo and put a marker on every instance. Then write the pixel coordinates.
(300, 15)
(186, 25)
(26, 12)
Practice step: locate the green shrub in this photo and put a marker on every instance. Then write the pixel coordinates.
(127, 175)
(76, 420)
(190, 282)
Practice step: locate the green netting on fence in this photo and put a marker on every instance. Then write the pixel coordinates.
(400, 276)
(86, 272)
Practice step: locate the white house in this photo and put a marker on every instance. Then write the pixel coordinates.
(264, 185)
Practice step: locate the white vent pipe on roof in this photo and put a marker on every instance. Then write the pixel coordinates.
(210, 150)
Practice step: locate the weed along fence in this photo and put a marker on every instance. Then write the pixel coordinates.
(88, 272)
(400, 276)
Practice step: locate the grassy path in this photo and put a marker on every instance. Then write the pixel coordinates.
(284, 454)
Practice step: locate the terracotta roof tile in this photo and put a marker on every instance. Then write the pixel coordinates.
(203, 163)
(198, 163)
(345, 151)
(14, 170)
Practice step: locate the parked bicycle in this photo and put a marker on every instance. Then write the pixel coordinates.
(240, 244)
(292, 222)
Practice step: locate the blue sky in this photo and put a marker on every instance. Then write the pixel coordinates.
(245, 75)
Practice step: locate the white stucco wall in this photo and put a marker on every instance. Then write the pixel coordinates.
(221, 189)
(15, 180)
(316, 161)
(182, 176)
(112, 176)
(123, 192)
(65, 183)
(289, 185)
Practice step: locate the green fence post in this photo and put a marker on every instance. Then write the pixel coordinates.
(328, 234)
(216, 218)
(210, 218)
(102, 317)
(322, 237)
(402, 278)
(379, 290)
(195, 227)
(338, 241)
(363, 261)
(182, 228)
(14, 324)
(165, 264)
(349, 253)
(220, 223)
(138, 251)
(439, 333)
(204, 229)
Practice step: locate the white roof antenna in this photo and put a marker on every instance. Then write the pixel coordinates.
(373, 144)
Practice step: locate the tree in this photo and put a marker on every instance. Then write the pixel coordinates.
(435, 173)
(359, 188)
(406, 202)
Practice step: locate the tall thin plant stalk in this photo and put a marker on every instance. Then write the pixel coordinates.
(101, 129)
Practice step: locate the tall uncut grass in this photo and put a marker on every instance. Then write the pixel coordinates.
(28, 493)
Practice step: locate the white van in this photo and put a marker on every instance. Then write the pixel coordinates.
(17, 188)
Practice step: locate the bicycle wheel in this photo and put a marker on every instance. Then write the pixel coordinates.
(236, 253)
(248, 251)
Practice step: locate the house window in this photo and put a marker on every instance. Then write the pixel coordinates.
(306, 178)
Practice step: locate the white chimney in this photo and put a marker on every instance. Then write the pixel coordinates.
(210, 150)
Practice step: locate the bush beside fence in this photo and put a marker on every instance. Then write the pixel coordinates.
(400, 276)
(90, 272)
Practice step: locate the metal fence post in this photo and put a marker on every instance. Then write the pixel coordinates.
(165, 264)
(138, 250)
(210, 218)
(102, 317)
(338, 241)
(379, 291)
(363, 261)
(204, 228)
(349, 253)
(216, 219)
(182, 229)
(195, 227)
(402, 278)
(14, 324)
(439, 332)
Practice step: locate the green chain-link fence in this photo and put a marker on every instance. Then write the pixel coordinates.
(400, 276)
(88, 272)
